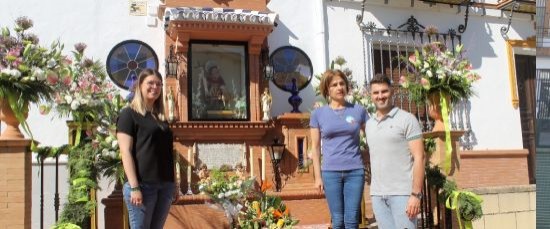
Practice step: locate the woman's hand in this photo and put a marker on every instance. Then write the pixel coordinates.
(319, 185)
(136, 198)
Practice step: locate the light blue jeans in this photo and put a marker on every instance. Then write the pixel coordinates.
(390, 212)
(344, 191)
(152, 213)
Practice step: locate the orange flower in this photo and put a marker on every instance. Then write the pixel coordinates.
(266, 185)
(277, 214)
(286, 212)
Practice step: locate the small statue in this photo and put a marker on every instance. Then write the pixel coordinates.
(203, 173)
(266, 104)
(239, 171)
(171, 106)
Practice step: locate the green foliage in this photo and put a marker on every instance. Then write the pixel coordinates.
(83, 178)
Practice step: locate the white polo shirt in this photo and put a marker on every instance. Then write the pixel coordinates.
(391, 159)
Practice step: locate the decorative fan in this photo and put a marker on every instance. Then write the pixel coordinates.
(127, 59)
(291, 63)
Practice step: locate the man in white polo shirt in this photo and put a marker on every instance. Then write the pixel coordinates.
(396, 152)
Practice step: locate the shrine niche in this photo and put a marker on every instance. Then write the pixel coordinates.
(222, 108)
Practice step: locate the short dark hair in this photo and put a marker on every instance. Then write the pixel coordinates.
(380, 79)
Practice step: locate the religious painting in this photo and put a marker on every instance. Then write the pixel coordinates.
(218, 84)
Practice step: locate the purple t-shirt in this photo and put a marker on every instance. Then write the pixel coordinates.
(339, 136)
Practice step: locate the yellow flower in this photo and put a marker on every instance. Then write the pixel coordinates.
(280, 223)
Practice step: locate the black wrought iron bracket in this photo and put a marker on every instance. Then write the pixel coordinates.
(412, 25)
(504, 29)
(462, 27)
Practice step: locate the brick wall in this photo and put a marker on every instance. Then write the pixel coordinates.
(492, 168)
(15, 184)
(507, 207)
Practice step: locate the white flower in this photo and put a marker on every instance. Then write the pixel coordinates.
(68, 99)
(51, 63)
(74, 105)
(114, 144)
(220, 195)
(12, 72)
(39, 73)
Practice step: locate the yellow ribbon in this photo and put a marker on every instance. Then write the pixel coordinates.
(452, 203)
(447, 124)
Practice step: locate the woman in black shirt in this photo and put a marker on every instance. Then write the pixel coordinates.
(145, 142)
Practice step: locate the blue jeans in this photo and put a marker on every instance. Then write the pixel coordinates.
(390, 212)
(152, 213)
(344, 191)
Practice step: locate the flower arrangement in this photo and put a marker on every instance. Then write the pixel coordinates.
(269, 212)
(437, 69)
(81, 88)
(24, 66)
(109, 161)
(229, 192)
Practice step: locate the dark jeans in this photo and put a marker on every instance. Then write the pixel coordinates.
(157, 199)
(344, 192)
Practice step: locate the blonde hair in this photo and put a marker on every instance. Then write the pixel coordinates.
(327, 77)
(138, 103)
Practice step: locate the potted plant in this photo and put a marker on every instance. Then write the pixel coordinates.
(439, 76)
(24, 68)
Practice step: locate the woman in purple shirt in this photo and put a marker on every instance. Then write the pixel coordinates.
(341, 175)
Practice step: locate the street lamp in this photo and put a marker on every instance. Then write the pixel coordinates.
(277, 151)
(171, 63)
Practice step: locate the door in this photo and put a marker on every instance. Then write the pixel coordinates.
(525, 74)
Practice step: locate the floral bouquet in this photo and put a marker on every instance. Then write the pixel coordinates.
(437, 69)
(229, 192)
(81, 88)
(24, 66)
(109, 161)
(267, 212)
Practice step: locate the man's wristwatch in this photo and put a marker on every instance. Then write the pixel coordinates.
(135, 189)
(417, 195)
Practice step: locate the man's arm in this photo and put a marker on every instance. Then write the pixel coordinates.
(417, 150)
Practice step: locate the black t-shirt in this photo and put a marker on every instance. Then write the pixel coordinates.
(152, 148)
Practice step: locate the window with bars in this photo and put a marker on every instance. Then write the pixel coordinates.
(386, 51)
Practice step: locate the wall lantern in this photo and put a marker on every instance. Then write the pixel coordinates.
(277, 151)
(172, 62)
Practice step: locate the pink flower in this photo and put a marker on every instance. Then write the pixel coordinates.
(469, 67)
(67, 61)
(425, 83)
(67, 81)
(404, 82)
(412, 58)
(52, 78)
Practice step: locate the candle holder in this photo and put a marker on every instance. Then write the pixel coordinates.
(189, 191)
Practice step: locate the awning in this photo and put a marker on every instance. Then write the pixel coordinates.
(223, 15)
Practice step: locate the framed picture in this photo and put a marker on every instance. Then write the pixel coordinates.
(218, 82)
